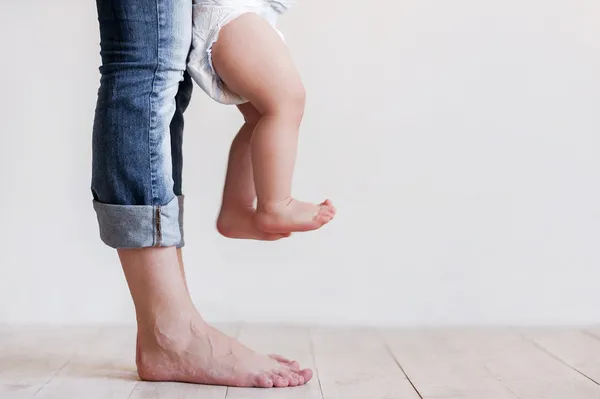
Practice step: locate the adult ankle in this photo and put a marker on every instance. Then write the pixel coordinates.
(171, 330)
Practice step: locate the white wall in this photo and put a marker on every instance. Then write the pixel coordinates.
(459, 140)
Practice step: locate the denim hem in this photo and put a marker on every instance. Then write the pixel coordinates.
(141, 226)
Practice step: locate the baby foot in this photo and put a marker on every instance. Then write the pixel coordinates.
(292, 215)
(238, 223)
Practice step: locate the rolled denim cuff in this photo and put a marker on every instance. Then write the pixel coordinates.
(141, 226)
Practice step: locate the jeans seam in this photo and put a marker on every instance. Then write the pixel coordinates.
(158, 227)
(152, 118)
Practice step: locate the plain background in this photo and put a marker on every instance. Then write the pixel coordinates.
(459, 140)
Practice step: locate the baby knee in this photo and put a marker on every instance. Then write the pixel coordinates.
(287, 102)
(292, 104)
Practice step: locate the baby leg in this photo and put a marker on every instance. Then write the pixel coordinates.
(253, 61)
(236, 218)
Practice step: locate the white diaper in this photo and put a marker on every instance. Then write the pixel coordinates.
(209, 16)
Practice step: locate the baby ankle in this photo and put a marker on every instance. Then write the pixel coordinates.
(274, 205)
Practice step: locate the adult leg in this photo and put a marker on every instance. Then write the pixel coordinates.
(144, 49)
(177, 345)
(254, 62)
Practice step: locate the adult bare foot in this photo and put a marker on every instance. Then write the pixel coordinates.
(199, 353)
(292, 215)
(292, 364)
(238, 223)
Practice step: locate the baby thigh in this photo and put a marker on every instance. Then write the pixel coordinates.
(253, 61)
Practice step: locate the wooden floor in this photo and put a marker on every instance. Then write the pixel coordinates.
(89, 363)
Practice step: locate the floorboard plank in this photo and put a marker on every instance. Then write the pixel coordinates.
(533, 373)
(105, 369)
(439, 366)
(593, 331)
(579, 350)
(291, 342)
(523, 368)
(173, 390)
(355, 364)
(30, 357)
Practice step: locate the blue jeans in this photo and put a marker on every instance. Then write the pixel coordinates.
(138, 127)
